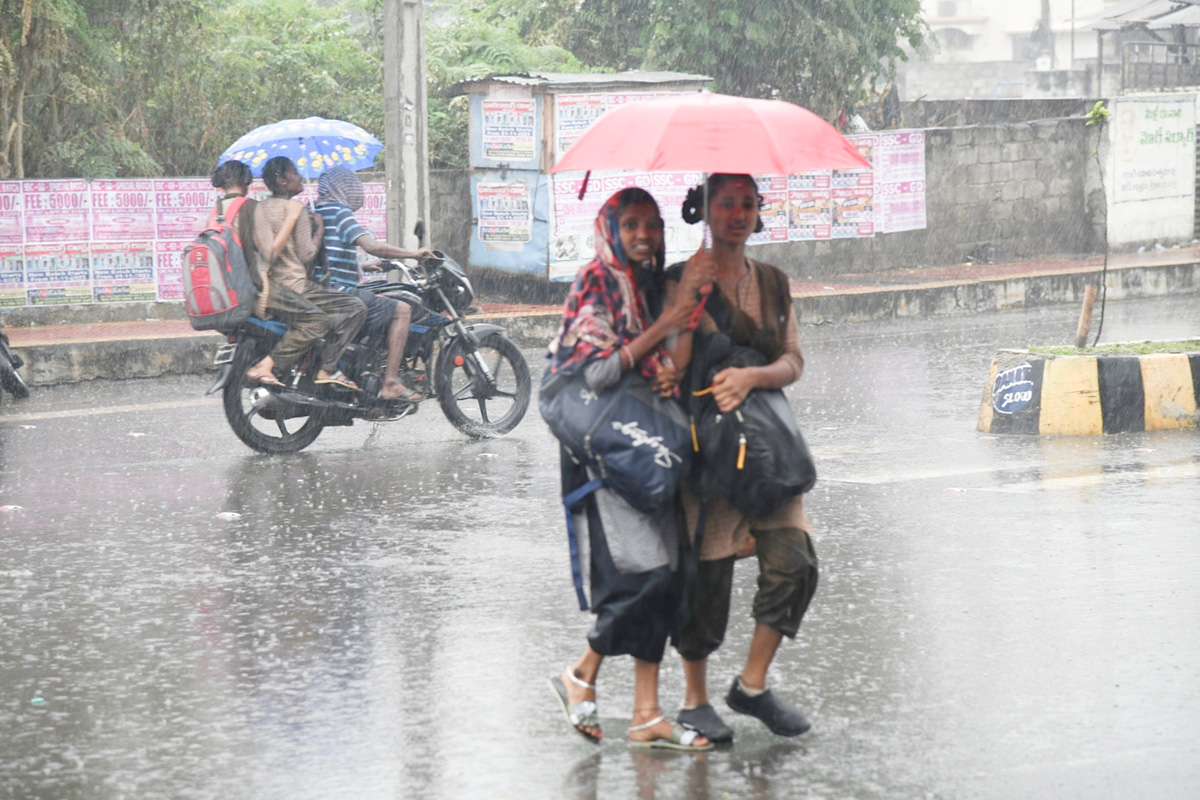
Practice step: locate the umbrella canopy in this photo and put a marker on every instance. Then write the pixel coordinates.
(315, 144)
(709, 132)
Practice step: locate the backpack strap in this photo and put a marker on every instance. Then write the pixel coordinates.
(573, 499)
(235, 205)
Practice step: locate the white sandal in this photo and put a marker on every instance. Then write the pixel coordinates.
(583, 714)
(681, 738)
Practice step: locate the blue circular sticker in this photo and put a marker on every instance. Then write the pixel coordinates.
(1012, 389)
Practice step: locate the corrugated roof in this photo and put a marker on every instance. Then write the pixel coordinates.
(578, 80)
(1188, 15)
(1131, 14)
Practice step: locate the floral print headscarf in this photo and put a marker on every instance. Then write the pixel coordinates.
(604, 308)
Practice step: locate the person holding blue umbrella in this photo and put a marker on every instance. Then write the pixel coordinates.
(289, 292)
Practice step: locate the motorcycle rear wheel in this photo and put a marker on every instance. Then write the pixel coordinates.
(464, 394)
(274, 436)
(10, 379)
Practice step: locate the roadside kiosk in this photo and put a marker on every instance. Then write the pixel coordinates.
(529, 223)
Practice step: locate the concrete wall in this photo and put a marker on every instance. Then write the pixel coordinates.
(450, 212)
(1017, 191)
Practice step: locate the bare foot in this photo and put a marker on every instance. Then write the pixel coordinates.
(577, 694)
(263, 372)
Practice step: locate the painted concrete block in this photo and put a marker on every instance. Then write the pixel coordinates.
(1090, 395)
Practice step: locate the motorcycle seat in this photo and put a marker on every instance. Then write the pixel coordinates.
(275, 326)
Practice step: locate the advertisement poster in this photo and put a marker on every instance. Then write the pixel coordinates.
(571, 244)
(123, 272)
(12, 222)
(900, 182)
(122, 210)
(57, 273)
(12, 275)
(181, 207)
(509, 133)
(574, 114)
(56, 211)
(853, 193)
(505, 216)
(774, 211)
(810, 207)
(168, 262)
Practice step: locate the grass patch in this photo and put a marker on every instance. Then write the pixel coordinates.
(1120, 349)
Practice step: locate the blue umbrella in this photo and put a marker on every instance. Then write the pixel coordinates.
(314, 144)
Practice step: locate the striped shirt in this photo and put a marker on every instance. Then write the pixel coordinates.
(342, 230)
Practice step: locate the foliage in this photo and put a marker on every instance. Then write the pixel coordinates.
(472, 41)
(1120, 349)
(1098, 115)
(821, 54)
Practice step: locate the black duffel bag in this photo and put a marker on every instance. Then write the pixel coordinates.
(637, 442)
(754, 456)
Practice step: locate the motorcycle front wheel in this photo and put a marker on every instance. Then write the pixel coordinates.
(473, 405)
(258, 420)
(10, 379)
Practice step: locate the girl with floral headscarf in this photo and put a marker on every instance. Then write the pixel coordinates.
(614, 321)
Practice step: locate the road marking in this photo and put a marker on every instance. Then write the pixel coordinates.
(1098, 478)
(95, 412)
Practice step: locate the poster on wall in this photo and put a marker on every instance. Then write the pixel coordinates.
(505, 216)
(853, 193)
(56, 211)
(168, 270)
(181, 207)
(122, 210)
(574, 114)
(12, 222)
(773, 211)
(810, 204)
(12, 275)
(571, 236)
(509, 133)
(56, 274)
(123, 272)
(900, 182)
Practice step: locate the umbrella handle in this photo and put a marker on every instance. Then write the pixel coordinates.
(698, 311)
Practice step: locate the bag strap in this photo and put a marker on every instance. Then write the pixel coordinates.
(573, 499)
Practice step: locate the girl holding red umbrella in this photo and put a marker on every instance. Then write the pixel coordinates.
(751, 304)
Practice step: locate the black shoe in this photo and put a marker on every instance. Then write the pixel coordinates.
(707, 722)
(781, 718)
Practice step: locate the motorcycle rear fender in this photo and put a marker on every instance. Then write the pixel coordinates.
(222, 379)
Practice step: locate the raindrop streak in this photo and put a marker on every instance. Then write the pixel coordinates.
(229, 515)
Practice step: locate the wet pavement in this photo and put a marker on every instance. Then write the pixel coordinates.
(998, 617)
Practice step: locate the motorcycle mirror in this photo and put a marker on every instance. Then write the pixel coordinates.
(419, 232)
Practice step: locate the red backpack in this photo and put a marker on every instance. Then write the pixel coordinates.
(218, 290)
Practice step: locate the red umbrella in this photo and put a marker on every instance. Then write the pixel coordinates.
(709, 132)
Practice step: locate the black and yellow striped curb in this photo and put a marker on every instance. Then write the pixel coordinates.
(1090, 395)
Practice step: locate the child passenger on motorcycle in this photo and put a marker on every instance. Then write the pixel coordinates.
(339, 195)
(288, 291)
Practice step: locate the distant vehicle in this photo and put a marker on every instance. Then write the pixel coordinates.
(480, 378)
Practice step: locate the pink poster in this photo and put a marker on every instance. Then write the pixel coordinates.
(56, 211)
(182, 207)
(168, 257)
(373, 214)
(901, 206)
(12, 227)
(12, 275)
(774, 210)
(123, 272)
(58, 273)
(122, 210)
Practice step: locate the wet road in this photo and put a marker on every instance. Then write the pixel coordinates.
(380, 620)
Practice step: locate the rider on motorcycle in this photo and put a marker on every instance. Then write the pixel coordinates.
(339, 195)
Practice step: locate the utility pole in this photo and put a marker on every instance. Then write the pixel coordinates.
(406, 157)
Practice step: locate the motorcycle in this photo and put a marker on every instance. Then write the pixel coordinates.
(480, 378)
(10, 362)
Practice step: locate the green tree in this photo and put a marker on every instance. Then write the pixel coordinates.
(818, 53)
